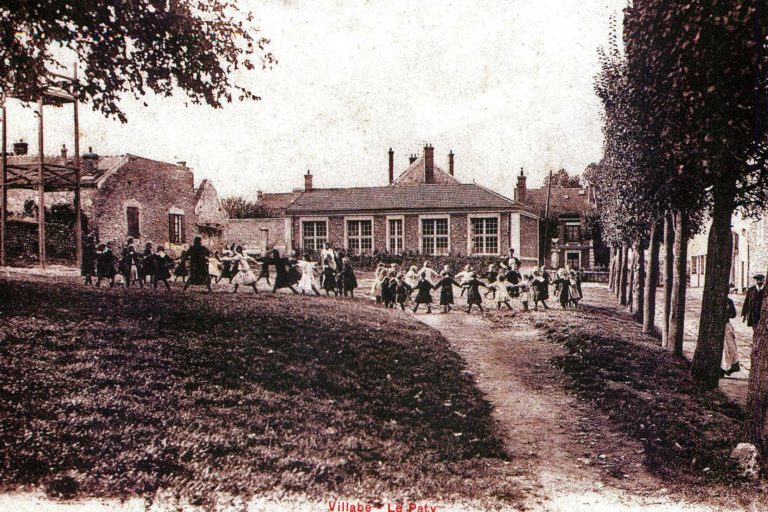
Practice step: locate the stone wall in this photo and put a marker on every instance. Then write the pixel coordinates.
(248, 232)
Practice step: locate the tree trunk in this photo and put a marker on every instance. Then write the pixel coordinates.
(669, 236)
(756, 421)
(714, 312)
(623, 299)
(631, 280)
(677, 301)
(619, 267)
(649, 305)
(638, 282)
(612, 269)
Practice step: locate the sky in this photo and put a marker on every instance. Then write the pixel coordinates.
(503, 84)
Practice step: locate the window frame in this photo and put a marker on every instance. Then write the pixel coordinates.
(175, 216)
(470, 241)
(445, 217)
(390, 236)
(571, 225)
(318, 241)
(359, 237)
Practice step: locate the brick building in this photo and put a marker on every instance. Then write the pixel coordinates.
(132, 196)
(571, 243)
(424, 209)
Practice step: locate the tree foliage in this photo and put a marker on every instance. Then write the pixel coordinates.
(237, 207)
(561, 179)
(131, 47)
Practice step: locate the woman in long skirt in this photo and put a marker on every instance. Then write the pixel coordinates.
(198, 265)
(730, 360)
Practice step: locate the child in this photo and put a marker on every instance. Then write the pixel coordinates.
(129, 267)
(424, 295)
(462, 277)
(473, 293)
(339, 282)
(540, 287)
(147, 263)
(308, 282)
(89, 260)
(162, 263)
(264, 270)
(181, 268)
(525, 291)
(402, 290)
(387, 296)
(446, 285)
(562, 288)
(491, 276)
(329, 279)
(431, 274)
(245, 276)
(574, 289)
(412, 277)
(214, 267)
(105, 265)
(502, 292)
(348, 277)
(376, 287)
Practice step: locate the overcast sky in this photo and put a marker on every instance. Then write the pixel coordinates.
(504, 84)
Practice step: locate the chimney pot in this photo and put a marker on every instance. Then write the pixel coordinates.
(391, 165)
(429, 164)
(412, 158)
(20, 148)
(308, 181)
(450, 163)
(182, 163)
(64, 151)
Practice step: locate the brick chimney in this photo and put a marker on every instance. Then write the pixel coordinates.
(259, 196)
(182, 163)
(412, 159)
(64, 151)
(429, 164)
(308, 181)
(520, 188)
(20, 148)
(89, 161)
(391, 165)
(450, 163)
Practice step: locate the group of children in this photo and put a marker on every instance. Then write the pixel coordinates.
(391, 287)
(133, 266)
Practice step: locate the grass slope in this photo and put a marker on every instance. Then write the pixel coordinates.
(118, 393)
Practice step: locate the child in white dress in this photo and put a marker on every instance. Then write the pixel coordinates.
(308, 282)
(502, 293)
(245, 275)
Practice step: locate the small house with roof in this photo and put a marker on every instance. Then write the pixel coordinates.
(425, 209)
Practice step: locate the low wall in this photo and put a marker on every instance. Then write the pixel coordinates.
(256, 233)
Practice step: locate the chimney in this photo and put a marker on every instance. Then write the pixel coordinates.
(429, 164)
(450, 163)
(308, 181)
(412, 159)
(259, 196)
(64, 151)
(20, 148)
(391, 165)
(520, 189)
(89, 161)
(182, 163)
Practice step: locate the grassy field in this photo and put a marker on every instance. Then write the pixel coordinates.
(118, 392)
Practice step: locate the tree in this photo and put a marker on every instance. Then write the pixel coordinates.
(137, 46)
(237, 207)
(561, 179)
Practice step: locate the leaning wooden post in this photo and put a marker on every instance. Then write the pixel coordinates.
(78, 204)
(4, 211)
(40, 186)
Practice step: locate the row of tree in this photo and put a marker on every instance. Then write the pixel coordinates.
(685, 99)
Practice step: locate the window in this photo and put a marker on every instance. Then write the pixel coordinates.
(395, 235)
(314, 234)
(434, 236)
(572, 233)
(176, 228)
(694, 260)
(132, 218)
(359, 236)
(573, 259)
(484, 234)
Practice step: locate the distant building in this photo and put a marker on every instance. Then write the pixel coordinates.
(132, 196)
(267, 230)
(571, 243)
(424, 209)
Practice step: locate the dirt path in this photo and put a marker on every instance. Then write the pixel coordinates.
(570, 457)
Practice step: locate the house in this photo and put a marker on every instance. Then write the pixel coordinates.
(571, 242)
(132, 196)
(424, 209)
(749, 256)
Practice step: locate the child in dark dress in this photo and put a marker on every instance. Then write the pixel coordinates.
(473, 293)
(105, 265)
(423, 295)
(263, 270)
(446, 284)
(540, 286)
(162, 266)
(329, 280)
(387, 297)
(181, 268)
(348, 278)
(402, 290)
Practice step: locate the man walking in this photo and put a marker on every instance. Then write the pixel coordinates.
(750, 311)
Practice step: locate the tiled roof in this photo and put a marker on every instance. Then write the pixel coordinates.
(414, 175)
(562, 200)
(278, 201)
(456, 196)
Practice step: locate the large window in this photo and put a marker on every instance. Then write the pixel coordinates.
(132, 218)
(314, 234)
(395, 227)
(572, 233)
(360, 236)
(434, 236)
(484, 234)
(176, 228)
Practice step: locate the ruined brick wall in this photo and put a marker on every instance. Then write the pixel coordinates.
(208, 209)
(154, 188)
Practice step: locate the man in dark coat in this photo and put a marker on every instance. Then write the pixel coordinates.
(750, 311)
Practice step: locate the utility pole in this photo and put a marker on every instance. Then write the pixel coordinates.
(546, 218)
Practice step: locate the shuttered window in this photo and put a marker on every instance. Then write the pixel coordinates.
(176, 233)
(132, 219)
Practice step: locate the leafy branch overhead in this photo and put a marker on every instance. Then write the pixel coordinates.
(135, 47)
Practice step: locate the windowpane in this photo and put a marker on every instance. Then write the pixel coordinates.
(314, 234)
(395, 235)
(359, 236)
(176, 228)
(485, 235)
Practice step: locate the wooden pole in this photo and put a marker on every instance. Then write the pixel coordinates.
(78, 204)
(40, 186)
(4, 211)
(546, 219)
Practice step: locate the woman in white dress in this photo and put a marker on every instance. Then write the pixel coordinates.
(245, 275)
(308, 282)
